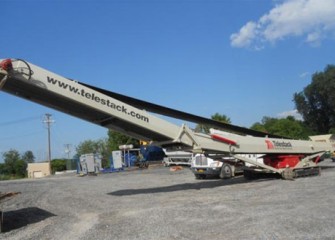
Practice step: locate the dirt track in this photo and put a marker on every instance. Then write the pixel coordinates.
(159, 204)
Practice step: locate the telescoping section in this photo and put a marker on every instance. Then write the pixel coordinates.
(287, 157)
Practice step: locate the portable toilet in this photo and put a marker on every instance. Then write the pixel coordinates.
(117, 159)
(90, 163)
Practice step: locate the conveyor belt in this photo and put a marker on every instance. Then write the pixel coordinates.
(151, 107)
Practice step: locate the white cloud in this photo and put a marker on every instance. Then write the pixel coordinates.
(293, 113)
(312, 19)
(304, 75)
(245, 36)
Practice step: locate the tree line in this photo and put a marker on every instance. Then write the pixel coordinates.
(315, 103)
(15, 165)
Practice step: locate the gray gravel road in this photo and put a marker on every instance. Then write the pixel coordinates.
(159, 204)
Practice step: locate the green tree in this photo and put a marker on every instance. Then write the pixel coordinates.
(105, 152)
(14, 165)
(3, 172)
(99, 146)
(259, 127)
(11, 158)
(204, 128)
(286, 127)
(28, 157)
(20, 168)
(58, 165)
(316, 103)
(87, 146)
(115, 139)
(221, 118)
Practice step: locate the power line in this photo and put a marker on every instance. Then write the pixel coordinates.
(19, 121)
(5, 138)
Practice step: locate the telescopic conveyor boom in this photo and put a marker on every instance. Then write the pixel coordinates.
(36, 84)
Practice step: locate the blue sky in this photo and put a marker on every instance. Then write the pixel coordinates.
(241, 58)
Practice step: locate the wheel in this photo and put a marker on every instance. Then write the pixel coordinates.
(248, 174)
(288, 174)
(226, 171)
(1, 221)
(146, 164)
(200, 176)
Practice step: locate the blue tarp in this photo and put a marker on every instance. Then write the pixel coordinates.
(152, 153)
(130, 159)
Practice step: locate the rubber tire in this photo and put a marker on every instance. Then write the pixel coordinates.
(288, 174)
(1, 221)
(146, 164)
(250, 175)
(226, 171)
(200, 176)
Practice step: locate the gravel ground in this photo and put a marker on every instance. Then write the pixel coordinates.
(159, 204)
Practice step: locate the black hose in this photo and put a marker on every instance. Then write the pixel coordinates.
(26, 63)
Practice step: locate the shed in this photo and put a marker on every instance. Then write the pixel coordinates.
(38, 170)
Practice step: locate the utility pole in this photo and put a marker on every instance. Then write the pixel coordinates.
(68, 151)
(48, 121)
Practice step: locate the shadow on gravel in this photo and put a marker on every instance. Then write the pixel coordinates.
(22, 217)
(326, 167)
(205, 184)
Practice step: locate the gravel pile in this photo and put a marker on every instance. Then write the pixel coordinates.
(157, 203)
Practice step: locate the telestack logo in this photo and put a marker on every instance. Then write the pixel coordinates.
(278, 144)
